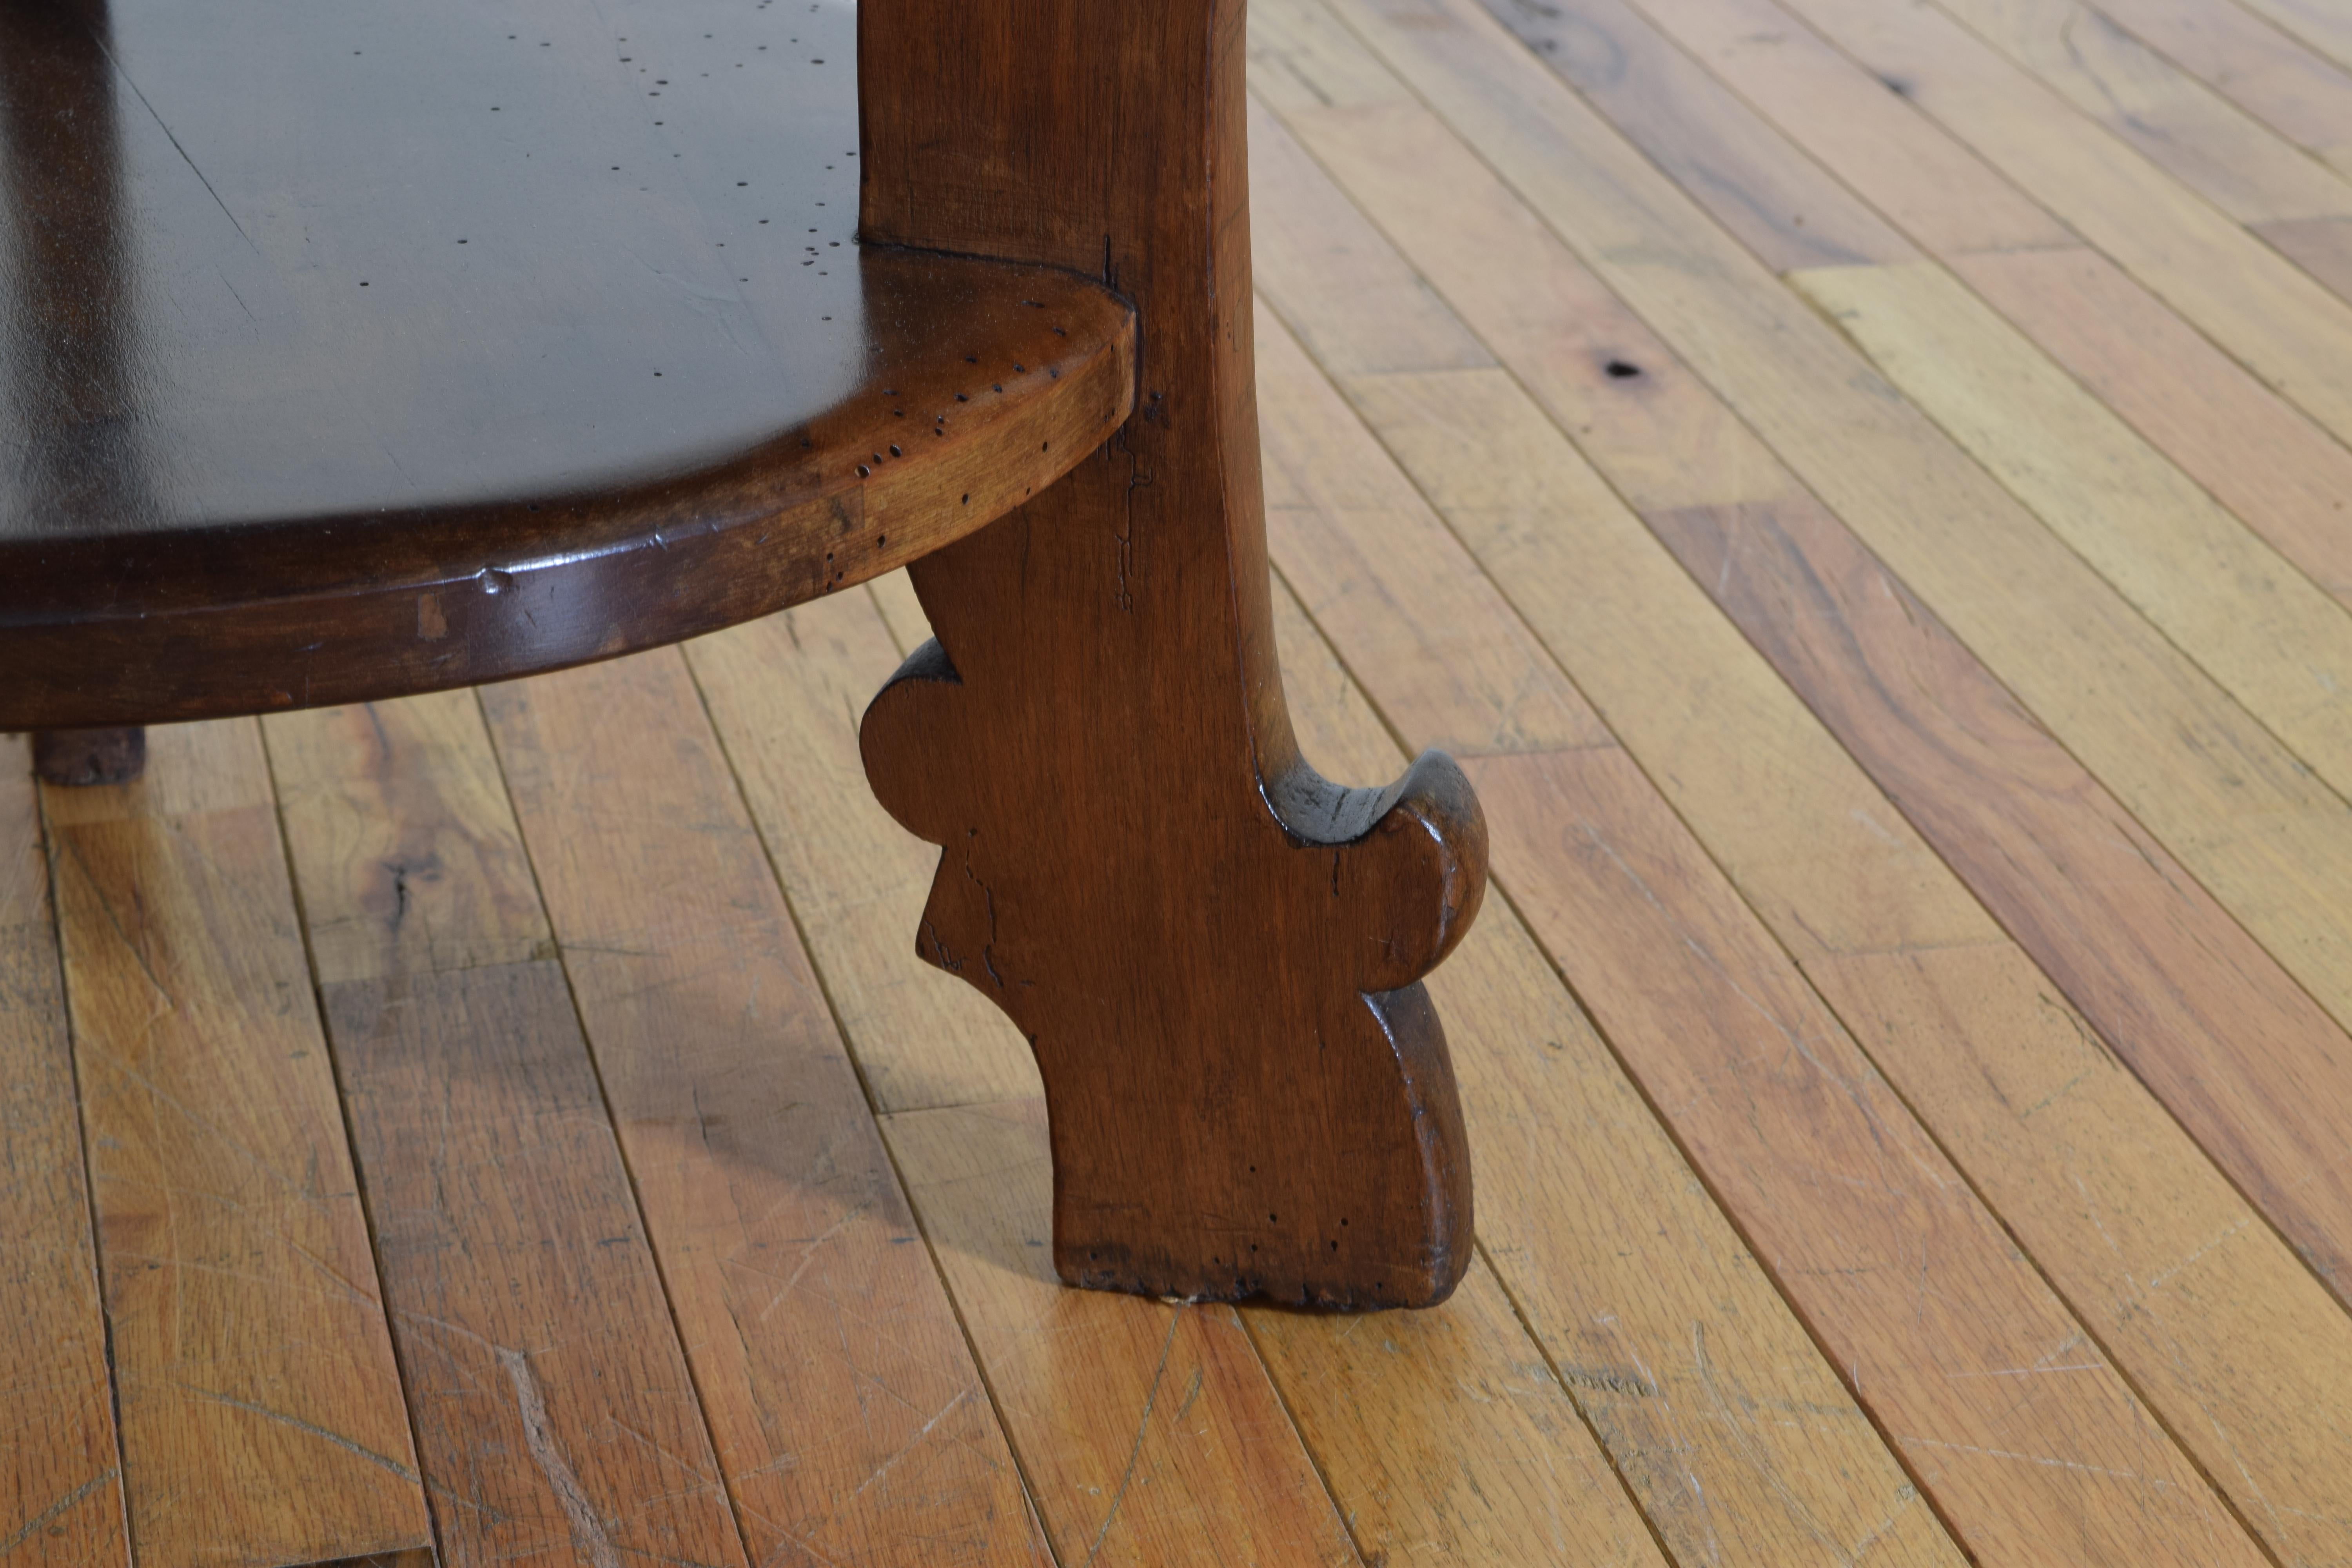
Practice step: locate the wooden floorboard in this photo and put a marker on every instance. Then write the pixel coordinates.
(2174, 121)
(525, 1298)
(850, 1422)
(2265, 71)
(1862, 485)
(259, 1404)
(1694, 703)
(61, 1493)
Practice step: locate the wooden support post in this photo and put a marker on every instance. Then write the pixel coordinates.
(1213, 951)
(73, 757)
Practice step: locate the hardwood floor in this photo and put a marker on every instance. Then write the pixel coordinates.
(1865, 489)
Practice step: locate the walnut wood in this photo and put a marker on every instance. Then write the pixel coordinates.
(1213, 951)
(75, 758)
(347, 352)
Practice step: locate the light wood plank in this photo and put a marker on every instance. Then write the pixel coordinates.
(1616, 1286)
(527, 1301)
(2316, 22)
(61, 1486)
(787, 693)
(2229, 1041)
(1767, 760)
(1930, 185)
(2248, 819)
(554, 1415)
(849, 1421)
(403, 842)
(2280, 474)
(2241, 1054)
(2255, 66)
(1790, 70)
(2321, 247)
(2225, 1331)
(2227, 429)
(1730, 1430)
(261, 1413)
(1783, 208)
(2285, 326)
(1446, 1437)
(1669, 672)
(1148, 1429)
(1910, 1282)
(2175, 120)
(2260, 628)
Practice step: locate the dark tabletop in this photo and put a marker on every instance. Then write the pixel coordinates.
(273, 257)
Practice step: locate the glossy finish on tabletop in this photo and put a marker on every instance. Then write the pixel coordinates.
(325, 326)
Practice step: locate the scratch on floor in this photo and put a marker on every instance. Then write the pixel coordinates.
(911, 1444)
(2156, 1482)
(1135, 1450)
(35, 1525)
(587, 1529)
(324, 1435)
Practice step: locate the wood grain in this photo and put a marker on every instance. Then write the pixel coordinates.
(1913, 1287)
(2263, 70)
(61, 1487)
(1148, 1429)
(1729, 1427)
(1681, 688)
(2315, 22)
(2280, 474)
(1783, 208)
(1109, 648)
(1061, 1366)
(2246, 818)
(260, 1410)
(2221, 1327)
(2253, 622)
(2321, 247)
(526, 1303)
(1443, 1432)
(2286, 328)
(2227, 430)
(849, 1422)
(1687, 694)
(555, 1418)
(2252, 1066)
(2174, 121)
(785, 694)
(349, 460)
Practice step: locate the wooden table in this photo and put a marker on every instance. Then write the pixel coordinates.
(356, 351)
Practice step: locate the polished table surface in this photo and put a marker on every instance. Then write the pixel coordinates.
(307, 299)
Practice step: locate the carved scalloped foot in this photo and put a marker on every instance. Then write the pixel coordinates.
(1249, 1093)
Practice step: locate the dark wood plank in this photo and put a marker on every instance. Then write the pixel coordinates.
(850, 1422)
(495, 402)
(61, 1482)
(260, 1404)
